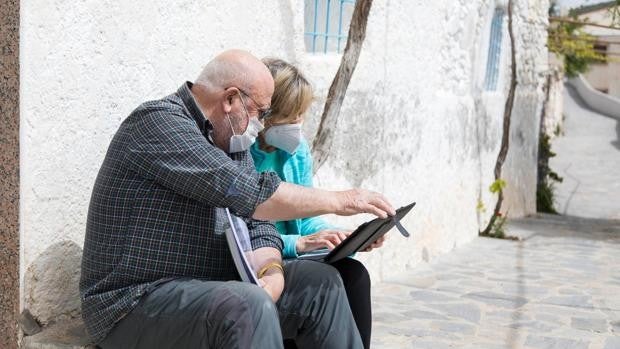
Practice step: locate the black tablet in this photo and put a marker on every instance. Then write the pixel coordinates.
(361, 238)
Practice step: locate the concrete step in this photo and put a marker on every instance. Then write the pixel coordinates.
(65, 335)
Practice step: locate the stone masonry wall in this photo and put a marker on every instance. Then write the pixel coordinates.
(9, 172)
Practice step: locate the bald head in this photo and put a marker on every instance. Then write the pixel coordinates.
(232, 88)
(237, 68)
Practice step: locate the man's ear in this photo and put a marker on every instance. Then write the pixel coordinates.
(229, 97)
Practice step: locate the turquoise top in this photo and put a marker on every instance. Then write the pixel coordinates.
(297, 169)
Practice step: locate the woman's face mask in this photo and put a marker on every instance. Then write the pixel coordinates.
(286, 137)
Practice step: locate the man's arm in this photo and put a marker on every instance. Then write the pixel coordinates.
(292, 201)
(272, 280)
(169, 149)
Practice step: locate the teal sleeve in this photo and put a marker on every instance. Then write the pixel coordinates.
(303, 176)
(289, 250)
(312, 225)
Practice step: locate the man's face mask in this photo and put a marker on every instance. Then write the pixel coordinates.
(242, 142)
(286, 137)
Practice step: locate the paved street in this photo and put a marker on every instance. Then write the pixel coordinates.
(557, 288)
(588, 158)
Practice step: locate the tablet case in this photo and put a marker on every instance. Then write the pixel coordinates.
(362, 237)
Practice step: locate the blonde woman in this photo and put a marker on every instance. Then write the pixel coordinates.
(281, 148)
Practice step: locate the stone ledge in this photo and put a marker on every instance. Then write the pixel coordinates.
(66, 335)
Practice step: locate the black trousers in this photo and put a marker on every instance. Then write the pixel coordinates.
(357, 286)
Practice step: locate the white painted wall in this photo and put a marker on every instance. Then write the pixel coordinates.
(415, 124)
(554, 110)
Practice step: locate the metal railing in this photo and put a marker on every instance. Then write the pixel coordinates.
(323, 36)
(495, 51)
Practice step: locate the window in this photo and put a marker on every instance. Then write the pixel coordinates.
(495, 50)
(601, 49)
(327, 24)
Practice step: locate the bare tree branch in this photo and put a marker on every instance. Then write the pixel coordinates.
(338, 89)
(574, 21)
(503, 151)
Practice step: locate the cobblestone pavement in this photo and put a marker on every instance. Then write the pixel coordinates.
(559, 287)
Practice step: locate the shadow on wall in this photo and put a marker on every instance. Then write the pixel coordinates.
(51, 283)
(616, 143)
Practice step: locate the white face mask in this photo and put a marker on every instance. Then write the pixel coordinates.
(286, 137)
(242, 142)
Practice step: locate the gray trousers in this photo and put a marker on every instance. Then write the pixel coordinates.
(189, 313)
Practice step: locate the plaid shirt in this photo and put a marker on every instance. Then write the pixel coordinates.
(155, 211)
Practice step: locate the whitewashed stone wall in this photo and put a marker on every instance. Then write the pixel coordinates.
(416, 124)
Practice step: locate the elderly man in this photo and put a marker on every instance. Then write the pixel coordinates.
(156, 271)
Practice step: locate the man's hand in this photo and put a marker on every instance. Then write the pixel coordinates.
(325, 238)
(378, 243)
(355, 201)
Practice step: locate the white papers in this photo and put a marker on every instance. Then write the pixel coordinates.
(238, 239)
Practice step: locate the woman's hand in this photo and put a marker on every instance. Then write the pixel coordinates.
(325, 238)
(378, 243)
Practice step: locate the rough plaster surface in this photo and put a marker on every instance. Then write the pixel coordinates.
(415, 124)
(9, 172)
(51, 289)
(418, 126)
(554, 110)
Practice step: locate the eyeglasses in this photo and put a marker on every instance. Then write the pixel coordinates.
(262, 113)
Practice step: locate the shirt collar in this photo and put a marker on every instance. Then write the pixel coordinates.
(188, 99)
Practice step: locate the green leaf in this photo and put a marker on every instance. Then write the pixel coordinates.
(497, 186)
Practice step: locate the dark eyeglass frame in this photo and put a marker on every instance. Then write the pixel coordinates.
(263, 114)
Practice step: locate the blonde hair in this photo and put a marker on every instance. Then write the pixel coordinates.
(292, 93)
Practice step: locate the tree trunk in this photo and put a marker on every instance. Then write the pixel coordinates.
(338, 89)
(503, 151)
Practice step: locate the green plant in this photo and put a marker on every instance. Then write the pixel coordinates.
(545, 190)
(480, 206)
(498, 185)
(576, 47)
(498, 227)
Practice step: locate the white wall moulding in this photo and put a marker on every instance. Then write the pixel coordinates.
(597, 101)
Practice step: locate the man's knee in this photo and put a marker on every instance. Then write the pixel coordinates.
(243, 299)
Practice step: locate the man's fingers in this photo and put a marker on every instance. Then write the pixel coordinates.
(383, 204)
(375, 210)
